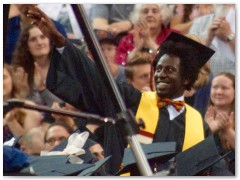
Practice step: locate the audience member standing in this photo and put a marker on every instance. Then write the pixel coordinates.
(217, 30)
(186, 13)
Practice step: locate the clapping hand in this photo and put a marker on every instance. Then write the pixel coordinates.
(38, 78)
(223, 30)
(216, 121)
(20, 79)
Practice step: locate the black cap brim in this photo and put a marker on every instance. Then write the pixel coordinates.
(198, 158)
(90, 171)
(58, 165)
(160, 152)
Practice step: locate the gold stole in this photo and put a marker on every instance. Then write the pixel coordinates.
(149, 112)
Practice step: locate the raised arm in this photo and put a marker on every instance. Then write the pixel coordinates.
(72, 76)
(46, 25)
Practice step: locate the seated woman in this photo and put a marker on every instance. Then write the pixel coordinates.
(14, 83)
(149, 31)
(33, 55)
(220, 113)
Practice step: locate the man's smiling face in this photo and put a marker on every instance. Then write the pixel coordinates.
(167, 77)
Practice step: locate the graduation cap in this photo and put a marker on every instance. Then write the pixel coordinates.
(159, 152)
(58, 165)
(203, 53)
(90, 171)
(198, 159)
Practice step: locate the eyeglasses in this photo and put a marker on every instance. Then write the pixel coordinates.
(52, 141)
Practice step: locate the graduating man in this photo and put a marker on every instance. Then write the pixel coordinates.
(75, 78)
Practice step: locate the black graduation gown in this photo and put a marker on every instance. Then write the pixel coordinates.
(173, 130)
(73, 77)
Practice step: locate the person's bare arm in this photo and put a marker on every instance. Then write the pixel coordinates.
(115, 28)
(12, 123)
(225, 34)
(207, 40)
(177, 24)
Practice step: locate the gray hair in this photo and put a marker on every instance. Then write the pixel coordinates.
(221, 10)
(166, 12)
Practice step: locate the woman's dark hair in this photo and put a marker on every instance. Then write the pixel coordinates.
(188, 60)
(22, 56)
(187, 9)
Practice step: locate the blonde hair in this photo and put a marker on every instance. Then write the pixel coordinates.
(137, 59)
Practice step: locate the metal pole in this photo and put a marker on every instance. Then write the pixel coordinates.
(94, 47)
(12, 103)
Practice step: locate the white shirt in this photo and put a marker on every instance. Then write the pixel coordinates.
(173, 113)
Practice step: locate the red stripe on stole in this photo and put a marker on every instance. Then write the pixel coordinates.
(147, 134)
